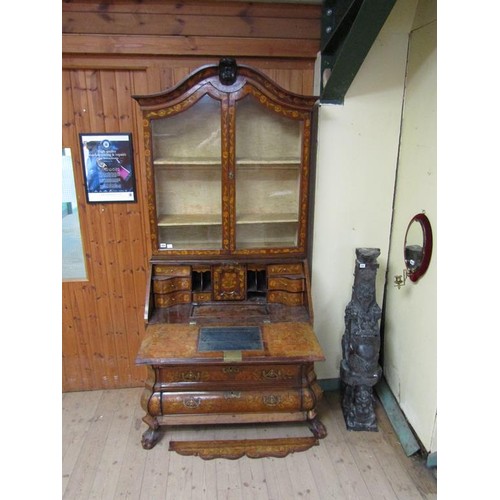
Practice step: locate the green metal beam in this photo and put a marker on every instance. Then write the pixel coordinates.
(337, 17)
(349, 28)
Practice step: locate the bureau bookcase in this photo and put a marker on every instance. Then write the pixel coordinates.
(229, 161)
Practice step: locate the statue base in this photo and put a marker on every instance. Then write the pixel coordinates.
(358, 400)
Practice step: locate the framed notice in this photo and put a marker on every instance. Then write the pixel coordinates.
(108, 167)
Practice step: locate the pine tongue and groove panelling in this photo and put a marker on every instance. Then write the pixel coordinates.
(102, 317)
(105, 62)
(202, 18)
(195, 28)
(205, 18)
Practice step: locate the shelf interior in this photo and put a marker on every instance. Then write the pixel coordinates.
(215, 219)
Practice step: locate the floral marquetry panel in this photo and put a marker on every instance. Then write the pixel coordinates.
(229, 282)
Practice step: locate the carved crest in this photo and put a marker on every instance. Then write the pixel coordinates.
(227, 70)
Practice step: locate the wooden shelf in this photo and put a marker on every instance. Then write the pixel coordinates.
(180, 162)
(189, 220)
(266, 218)
(196, 162)
(215, 219)
(264, 161)
(267, 243)
(206, 245)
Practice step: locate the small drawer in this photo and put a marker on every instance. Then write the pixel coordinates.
(241, 374)
(286, 284)
(171, 299)
(171, 270)
(231, 401)
(286, 298)
(171, 285)
(202, 296)
(229, 282)
(280, 269)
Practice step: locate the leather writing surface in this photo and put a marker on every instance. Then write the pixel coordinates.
(230, 338)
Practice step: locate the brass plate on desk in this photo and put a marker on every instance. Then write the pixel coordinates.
(232, 356)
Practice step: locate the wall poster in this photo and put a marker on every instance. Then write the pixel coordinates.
(108, 167)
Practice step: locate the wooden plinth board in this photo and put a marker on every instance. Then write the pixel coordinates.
(252, 448)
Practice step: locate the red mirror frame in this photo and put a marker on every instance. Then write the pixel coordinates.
(419, 271)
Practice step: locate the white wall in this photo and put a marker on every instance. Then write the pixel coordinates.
(410, 354)
(356, 167)
(356, 191)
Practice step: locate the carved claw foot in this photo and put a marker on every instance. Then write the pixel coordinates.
(150, 438)
(317, 428)
(152, 435)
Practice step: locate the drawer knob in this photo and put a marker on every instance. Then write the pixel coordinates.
(192, 402)
(271, 400)
(232, 395)
(231, 369)
(271, 374)
(190, 376)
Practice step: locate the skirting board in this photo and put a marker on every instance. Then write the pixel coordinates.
(432, 460)
(391, 407)
(397, 418)
(329, 384)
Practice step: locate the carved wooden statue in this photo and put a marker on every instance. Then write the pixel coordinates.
(359, 370)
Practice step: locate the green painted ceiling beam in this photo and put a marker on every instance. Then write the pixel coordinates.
(348, 30)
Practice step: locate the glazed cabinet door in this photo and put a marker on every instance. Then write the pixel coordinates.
(268, 176)
(228, 166)
(188, 177)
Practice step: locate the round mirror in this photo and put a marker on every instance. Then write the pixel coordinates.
(418, 246)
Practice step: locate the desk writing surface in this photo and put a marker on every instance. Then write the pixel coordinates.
(233, 338)
(178, 343)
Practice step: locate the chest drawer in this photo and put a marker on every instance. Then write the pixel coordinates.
(286, 298)
(171, 285)
(280, 269)
(242, 374)
(286, 284)
(234, 401)
(171, 299)
(171, 270)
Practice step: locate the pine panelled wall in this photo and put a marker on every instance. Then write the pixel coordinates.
(114, 50)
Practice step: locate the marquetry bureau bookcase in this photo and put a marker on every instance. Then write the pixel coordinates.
(229, 157)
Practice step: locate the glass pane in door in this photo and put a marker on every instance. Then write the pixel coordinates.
(268, 166)
(187, 173)
(73, 261)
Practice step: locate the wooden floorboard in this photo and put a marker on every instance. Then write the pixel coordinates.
(102, 457)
